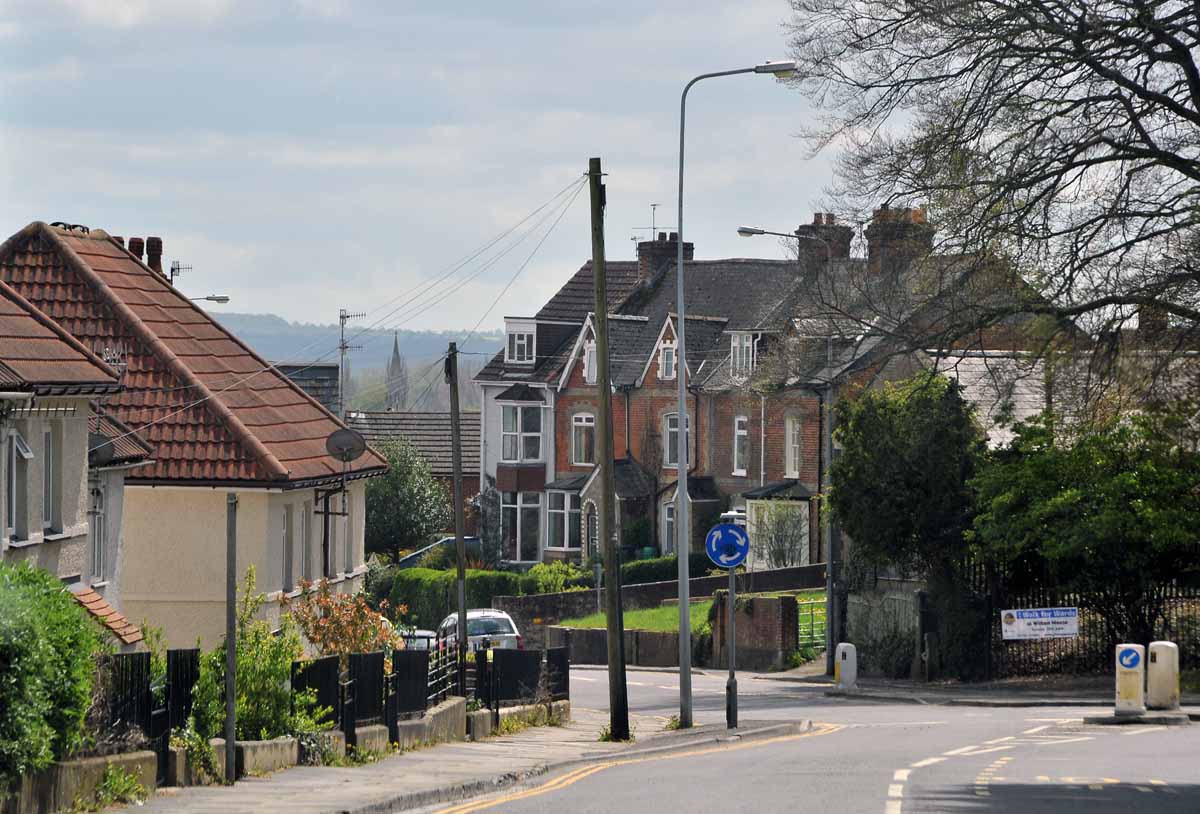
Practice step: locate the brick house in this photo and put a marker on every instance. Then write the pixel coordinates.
(219, 421)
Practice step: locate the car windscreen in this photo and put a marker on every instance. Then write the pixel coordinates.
(489, 626)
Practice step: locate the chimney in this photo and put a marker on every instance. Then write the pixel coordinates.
(822, 239)
(654, 254)
(896, 237)
(120, 241)
(137, 247)
(154, 253)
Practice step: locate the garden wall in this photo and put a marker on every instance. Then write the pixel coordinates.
(881, 619)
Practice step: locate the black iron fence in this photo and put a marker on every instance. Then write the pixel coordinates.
(322, 676)
(366, 671)
(128, 696)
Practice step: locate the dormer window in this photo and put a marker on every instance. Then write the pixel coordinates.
(741, 354)
(521, 341)
(666, 361)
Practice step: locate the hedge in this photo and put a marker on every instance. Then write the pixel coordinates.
(47, 665)
(663, 569)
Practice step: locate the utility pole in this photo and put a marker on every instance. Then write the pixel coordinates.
(831, 604)
(460, 545)
(618, 698)
(231, 505)
(344, 316)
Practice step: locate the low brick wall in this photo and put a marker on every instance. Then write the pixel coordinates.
(373, 738)
(533, 613)
(57, 787)
(766, 629)
(643, 648)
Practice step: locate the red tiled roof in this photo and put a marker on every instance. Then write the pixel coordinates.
(37, 354)
(127, 632)
(208, 406)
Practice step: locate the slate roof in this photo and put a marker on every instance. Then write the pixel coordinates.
(97, 606)
(576, 299)
(521, 392)
(211, 409)
(630, 479)
(39, 356)
(127, 446)
(318, 379)
(790, 489)
(429, 433)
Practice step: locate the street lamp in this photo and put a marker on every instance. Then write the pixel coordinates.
(221, 298)
(780, 69)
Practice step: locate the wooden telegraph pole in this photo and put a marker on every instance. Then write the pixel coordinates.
(460, 545)
(618, 698)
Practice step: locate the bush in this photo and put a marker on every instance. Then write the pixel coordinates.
(889, 654)
(663, 569)
(429, 594)
(47, 668)
(555, 577)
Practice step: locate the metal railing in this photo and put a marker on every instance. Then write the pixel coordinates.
(810, 618)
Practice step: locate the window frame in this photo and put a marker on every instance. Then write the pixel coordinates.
(662, 356)
(524, 501)
(590, 367)
(792, 449)
(570, 516)
(583, 421)
(287, 541)
(668, 463)
(306, 557)
(519, 434)
(16, 496)
(741, 445)
(98, 531)
(520, 343)
(50, 480)
(742, 354)
(668, 528)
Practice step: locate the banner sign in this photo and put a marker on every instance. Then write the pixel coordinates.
(1040, 623)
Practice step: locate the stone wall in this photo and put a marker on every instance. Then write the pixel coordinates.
(59, 786)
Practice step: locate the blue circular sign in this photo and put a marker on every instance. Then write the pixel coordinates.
(727, 545)
(1128, 658)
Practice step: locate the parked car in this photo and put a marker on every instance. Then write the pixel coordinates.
(420, 639)
(474, 551)
(486, 627)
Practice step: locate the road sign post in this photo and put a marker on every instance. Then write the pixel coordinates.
(727, 546)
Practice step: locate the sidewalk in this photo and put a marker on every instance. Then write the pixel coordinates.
(445, 772)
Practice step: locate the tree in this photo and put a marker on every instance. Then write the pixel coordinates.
(1058, 141)
(407, 506)
(1108, 516)
(900, 484)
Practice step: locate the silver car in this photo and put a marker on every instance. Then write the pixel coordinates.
(486, 627)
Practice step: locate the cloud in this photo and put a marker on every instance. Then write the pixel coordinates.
(136, 13)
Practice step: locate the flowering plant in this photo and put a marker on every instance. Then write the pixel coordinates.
(341, 624)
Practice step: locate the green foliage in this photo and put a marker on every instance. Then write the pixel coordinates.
(900, 484)
(407, 506)
(47, 666)
(889, 654)
(116, 786)
(662, 619)
(636, 533)
(663, 569)
(201, 756)
(555, 577)
(430, 598)
(264, 669)
(1109, 515)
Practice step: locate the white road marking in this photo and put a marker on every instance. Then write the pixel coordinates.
(961, 751)
(901, 775)
(640, 684)
(1001, 740)
(986, 751)
(1144, 730)
(666, 687)
(1036, 729)
(892, 807)
(929, 761)
(581, 678)
(896, 790)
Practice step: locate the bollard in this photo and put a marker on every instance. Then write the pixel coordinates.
(1131, 673)
(1162, 676)
(845, 666)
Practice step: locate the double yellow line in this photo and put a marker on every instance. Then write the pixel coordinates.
(574, 776)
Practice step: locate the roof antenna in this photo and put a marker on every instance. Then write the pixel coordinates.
(177, 268)
(652, 228)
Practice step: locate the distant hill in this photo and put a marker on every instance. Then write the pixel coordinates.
(281, 341)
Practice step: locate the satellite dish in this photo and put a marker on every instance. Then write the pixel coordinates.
(100, 449)
(345, 445)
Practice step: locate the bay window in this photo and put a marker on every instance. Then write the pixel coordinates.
(520, 523)
(521, 432)
(583, 439)
(741, 444)
(563, 519)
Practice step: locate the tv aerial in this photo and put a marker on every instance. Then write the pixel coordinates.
(345, 445)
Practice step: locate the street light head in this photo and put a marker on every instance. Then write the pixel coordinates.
(221, 298)
(781, 68)
(750, 231)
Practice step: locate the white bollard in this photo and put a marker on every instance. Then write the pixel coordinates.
(845, 666)
(1131, 683)
(1162, 676)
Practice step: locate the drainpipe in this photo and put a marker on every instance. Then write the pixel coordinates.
(762, 440)
(628, 446)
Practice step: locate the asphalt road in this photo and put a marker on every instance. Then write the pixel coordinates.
(869, 757)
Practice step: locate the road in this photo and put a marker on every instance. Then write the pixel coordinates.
(865, 757)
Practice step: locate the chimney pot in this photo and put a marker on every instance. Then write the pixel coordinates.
(818, 219)
(674, 237)
(662, 237)
(830, 219)
(120, 241)
(655, 254)
(154, 249)
(137, 247)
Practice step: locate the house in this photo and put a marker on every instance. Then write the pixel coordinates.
(219, 421)
(62, 460)
(429, 434)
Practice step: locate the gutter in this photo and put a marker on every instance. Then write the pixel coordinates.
(15, 395)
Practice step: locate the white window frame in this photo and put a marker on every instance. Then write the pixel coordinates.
(662, 362)
(520, 342)
(569, 518)
(590, 367)
(16, 494)
(50, 462)
(668, 527)
(306, 515)
(742, 352)
(524, 501)
(98, 531)
(582, 422)
(741, 445)
(287, 541)
(519, 434)
(348, 525)
(792, 450)
(668, 462)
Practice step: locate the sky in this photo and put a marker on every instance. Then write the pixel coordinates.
(308, 155)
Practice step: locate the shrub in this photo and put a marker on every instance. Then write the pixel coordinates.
(429, 594)
(889, 654)
(553, 578)
(341, 624)
(663, 569)
(47, 649)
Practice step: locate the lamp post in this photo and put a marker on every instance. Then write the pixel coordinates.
(221, 298)
(831, 611)
(780, 69)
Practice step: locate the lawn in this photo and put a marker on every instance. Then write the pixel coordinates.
(666, 618)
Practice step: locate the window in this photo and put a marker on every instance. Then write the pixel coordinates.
(741, 444)
(666, 361)
(348, 537)
(671, 438)
(741, 354)
(520, 347)
(329, 535)
(668, 539)
(791, 451)
(521, 432)
(16, 487)
(520, 523)
(590, 373)
(563, 517)
(306, 540)
(98, 533)
(583, 439)
(286, 540)
(50, 464)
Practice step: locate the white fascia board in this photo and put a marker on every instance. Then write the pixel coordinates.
(575, 350)
(670, 320)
